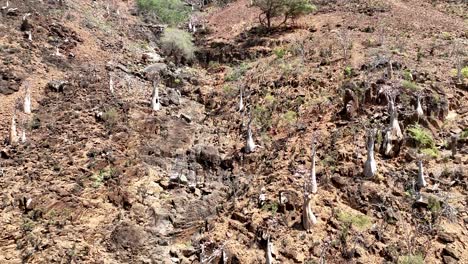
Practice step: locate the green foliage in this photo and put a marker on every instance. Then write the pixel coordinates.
(111, 118)
(229, 91)
(290, 117)
(434, 205)
(279, 52)
(410, 85)
(411, 259)
(177, 43)
(421, 136)
(464, 72)
(289, 9)
(102, 176)
(273, 207)
(172, 12)
(237, 72)
(348, 71)
(464, 134)
(359, 221)
(431, 152)
(407, 76)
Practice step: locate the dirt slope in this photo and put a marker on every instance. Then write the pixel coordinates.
(103, 179)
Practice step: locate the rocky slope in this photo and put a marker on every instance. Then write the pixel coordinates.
(102, 178)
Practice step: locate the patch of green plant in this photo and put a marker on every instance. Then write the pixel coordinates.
(360, 221)
(411, 259)
(410, 85)
(263, 117)
(102, 176)
(176, 42)
(407, 75)
(464, 72)
(35, 123)
(171, 12)
(272, 207)
(279, 52)
(431, 152)
(464, 134)
(229, 91)
(434, 205)
(290, 117)
(238, 72)
(110, 117)
(348, 71)
(423, 139)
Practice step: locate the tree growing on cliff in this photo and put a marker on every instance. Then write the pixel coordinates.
(171, 12)
(288, 9)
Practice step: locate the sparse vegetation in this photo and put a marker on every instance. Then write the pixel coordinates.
(359, 221)
(110, 117)
(423, 140)
(411, 259)
(410, 85)
(171, 12)
(290, 9)
(177, 44)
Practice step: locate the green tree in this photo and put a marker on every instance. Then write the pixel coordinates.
(172, 12)
(289, 9)
(178, 44)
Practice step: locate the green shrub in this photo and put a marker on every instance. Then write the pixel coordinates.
(111, 118)
(424, 140)
(236, 73)
(422, 137)
(290, 117)
(348, 71)
(411, 259)
(279, 52)
(411, 85)
(177, 43)
(464, 134)
(290, 9)
(407, 75)
(360, 221)
(172, 12)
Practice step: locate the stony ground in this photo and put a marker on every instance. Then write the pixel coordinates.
(103, 179)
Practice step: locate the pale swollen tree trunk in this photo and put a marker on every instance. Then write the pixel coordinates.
(241, 101)
(13, 133)
(250, 147)
(308, 217)
(312, 171)
(419, 110)
(370, 167)
(111, 84)
(269, 257)
(155, 103)
(421, 180)
(395, 126)
(27, 101)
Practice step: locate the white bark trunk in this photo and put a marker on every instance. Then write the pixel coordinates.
(308, 217)
(421, 180)
(13, 132)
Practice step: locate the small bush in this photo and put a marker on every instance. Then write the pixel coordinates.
(360, 221)
(290, 117)
(110, 117)
(348, 71)
(408, 76)
(464, 134)
(422, 137)
(424, 140)
(411, 85)
(279, 52)
(177, 44)
(172, 12)
(236, 73)
(411, 259)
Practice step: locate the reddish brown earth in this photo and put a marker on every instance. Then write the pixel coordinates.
(103, 179)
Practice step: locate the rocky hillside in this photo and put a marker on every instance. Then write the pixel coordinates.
(100, 177)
